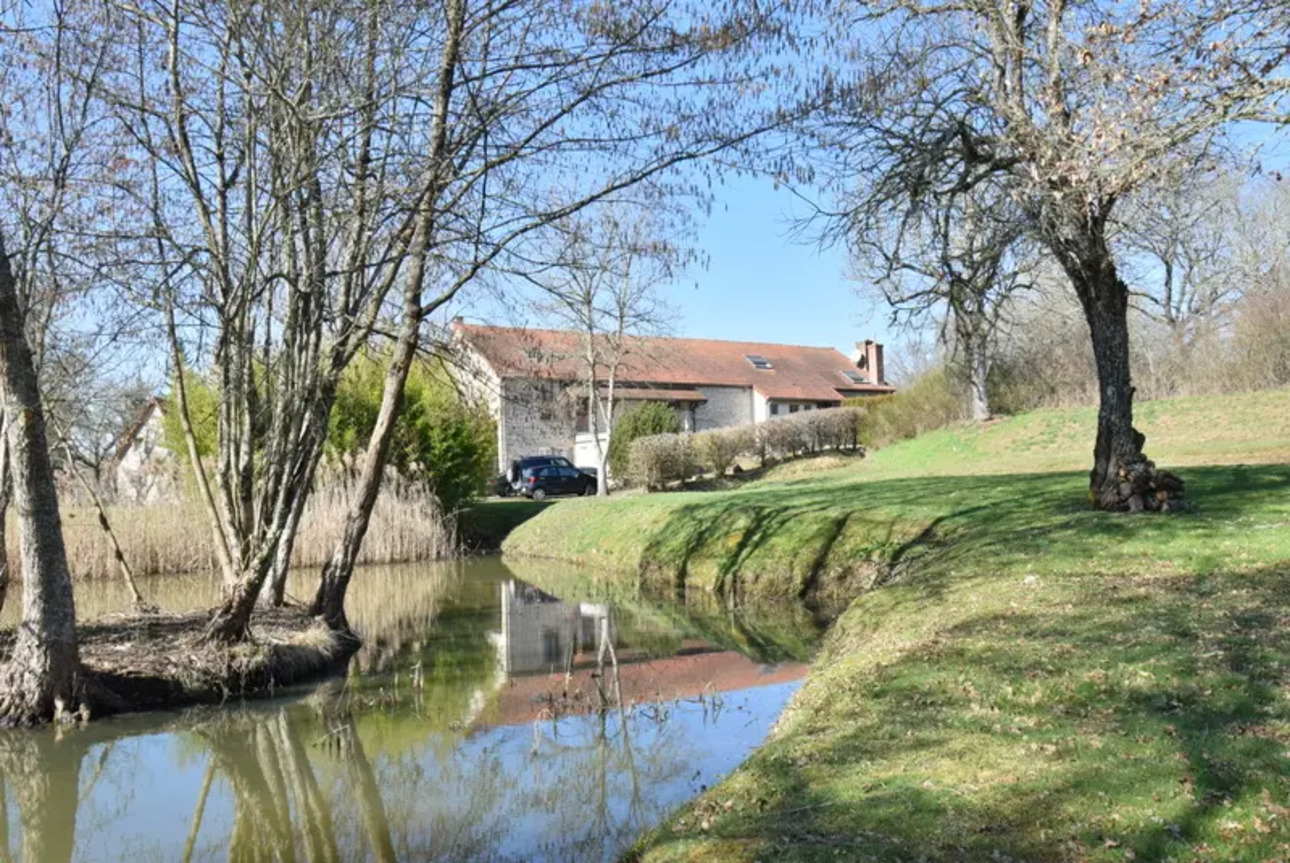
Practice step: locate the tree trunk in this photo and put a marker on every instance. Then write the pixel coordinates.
(231, 621)
(1119, 444)
(329, 601)
(282, 556)
(39, 680)
(1122, 478)
(6, 490)
(978, 373)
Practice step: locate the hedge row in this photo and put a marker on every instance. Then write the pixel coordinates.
(659, 459)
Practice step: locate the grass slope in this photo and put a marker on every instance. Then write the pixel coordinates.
(1033, 681)
(1007, 495)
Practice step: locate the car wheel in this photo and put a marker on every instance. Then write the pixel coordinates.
(588, 489)
(539, 494)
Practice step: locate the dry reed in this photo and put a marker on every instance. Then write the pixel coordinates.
(407, 525)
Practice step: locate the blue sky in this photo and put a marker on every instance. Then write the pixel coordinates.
(762, 283)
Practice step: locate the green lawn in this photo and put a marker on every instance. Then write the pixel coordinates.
(1008, 496)
(1032, 680)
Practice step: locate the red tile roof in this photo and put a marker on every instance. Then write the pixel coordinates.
(808, 374)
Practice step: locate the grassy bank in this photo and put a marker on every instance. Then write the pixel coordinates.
(1033, 681)
(1007, 494)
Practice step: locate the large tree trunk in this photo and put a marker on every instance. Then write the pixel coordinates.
(6, 490)
(39, 679)
(1123, 478)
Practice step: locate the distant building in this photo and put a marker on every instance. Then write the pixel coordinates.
(145, 467)
(529, 380)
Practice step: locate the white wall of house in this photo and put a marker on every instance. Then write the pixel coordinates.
(584, 449)
(146, 471)
(784, 407)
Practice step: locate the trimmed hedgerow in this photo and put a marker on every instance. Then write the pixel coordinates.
(656, 460)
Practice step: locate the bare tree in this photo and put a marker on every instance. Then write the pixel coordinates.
(1176, 236)
(50, 62)
(278, 210)
(604, 285)
(958, 257)
(1071, 107)
(625, 95)
(311, 176)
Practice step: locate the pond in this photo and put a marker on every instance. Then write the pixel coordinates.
(478, 723)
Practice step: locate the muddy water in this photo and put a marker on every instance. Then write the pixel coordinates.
(473, 726)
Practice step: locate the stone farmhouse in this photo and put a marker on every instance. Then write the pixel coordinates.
(529, 379)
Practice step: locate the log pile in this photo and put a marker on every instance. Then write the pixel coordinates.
(1142, 486)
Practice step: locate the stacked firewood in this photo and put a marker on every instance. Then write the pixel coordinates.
(1144, 487)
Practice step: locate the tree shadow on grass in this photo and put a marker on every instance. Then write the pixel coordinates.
(1071, 721)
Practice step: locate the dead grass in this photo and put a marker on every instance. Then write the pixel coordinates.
(407, 525)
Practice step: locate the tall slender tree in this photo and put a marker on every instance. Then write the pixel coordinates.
(603, 284)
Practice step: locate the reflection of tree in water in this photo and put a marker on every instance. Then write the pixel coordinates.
(41, 777)
(598, 798)
(280, 810)
(363, 771)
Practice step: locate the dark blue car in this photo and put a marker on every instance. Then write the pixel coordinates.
(538, 482)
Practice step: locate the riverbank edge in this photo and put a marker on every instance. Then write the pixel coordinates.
(1020, 654)
(152, 662)
(824, 559)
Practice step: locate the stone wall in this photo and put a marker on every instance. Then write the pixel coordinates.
(725, 406)
(536, 418)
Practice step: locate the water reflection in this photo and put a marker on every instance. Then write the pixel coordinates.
(476, 726)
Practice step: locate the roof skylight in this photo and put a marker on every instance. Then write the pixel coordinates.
(758, 361)
(854, 376)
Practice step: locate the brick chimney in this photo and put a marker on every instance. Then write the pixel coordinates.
(868, 358)
(458, 323)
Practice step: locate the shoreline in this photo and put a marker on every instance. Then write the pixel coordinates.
(134, 663)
